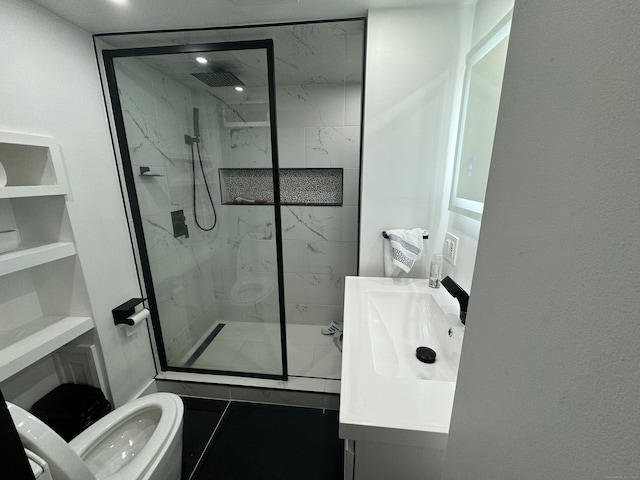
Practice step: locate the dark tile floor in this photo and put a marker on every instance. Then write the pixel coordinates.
(249, 441)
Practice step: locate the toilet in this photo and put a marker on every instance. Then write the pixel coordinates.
(256, 272)
(39, 467)
(141, 440)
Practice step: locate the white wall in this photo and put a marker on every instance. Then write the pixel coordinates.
(549, 376)
(413, 66)
(49, 86)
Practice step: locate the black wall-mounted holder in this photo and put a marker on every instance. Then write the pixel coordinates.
(147, 172)
(122, 312)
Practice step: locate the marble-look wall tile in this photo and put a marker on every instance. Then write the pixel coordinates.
(310, 106)
(333, 257)
(332, 147)
(171, 127)
(351, 187)
(295, 257)
(320, 242)
(180, 195)
(171, 298)
(144, 149)
(314, 288)
(312, 314)
(250, 148)
(354, 55)
(255, 220)
(171, 303)
(158, 234)
(350, 224)
(135, 85)
(291, 147)
(312, 223)
(153, 192)
(178, 346)
(336, 258)
(173, 102)
(309, 51)
(199, 326)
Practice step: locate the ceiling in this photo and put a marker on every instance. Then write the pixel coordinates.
(106, 16)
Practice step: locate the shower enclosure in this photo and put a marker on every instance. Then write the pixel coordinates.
(188, 259)
(245, 228)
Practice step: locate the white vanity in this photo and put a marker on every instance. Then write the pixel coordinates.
(394, 409)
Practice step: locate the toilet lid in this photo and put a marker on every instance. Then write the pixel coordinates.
(47, 444)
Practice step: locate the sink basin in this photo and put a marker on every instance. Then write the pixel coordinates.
(399, 322)
(387, 395)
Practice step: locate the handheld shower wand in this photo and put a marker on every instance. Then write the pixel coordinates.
(196, 129)
(191, 141)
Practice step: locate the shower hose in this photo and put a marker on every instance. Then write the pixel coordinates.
(206, 185)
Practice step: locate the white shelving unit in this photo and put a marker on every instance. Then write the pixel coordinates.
(39, 338)
(43, 299)
(21, 259)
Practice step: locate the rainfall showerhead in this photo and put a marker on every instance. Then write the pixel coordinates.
(218, 78)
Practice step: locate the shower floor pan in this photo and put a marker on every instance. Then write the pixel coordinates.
(255, 347)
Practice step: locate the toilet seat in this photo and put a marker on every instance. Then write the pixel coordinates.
(166, 410)
(159, 455)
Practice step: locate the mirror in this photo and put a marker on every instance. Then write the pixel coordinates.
(478, 116)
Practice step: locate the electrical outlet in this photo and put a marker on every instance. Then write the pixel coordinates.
(451, 248)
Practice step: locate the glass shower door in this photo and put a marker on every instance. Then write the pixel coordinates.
(196, 129)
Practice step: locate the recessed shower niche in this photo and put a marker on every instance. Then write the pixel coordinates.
(266, 171)
(298, 186)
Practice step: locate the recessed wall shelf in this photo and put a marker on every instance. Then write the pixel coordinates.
(32, 191)
(23, 258)
(22, 346)
(43, 298)
(31, 161)
(298, 186)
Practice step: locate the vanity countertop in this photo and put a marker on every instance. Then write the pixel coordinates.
(378, 405)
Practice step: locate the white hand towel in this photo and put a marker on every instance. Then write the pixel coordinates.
(406, 247)
(390, 270)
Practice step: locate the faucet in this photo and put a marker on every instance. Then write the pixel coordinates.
(457, 292)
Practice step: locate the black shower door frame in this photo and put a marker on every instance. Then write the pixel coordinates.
(109, 56)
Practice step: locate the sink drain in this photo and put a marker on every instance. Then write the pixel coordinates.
(426, 354)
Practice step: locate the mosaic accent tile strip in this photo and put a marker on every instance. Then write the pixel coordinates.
(298, 186)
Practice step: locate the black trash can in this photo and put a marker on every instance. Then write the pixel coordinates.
(69, 408)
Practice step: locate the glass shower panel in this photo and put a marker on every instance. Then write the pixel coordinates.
(210, 259)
